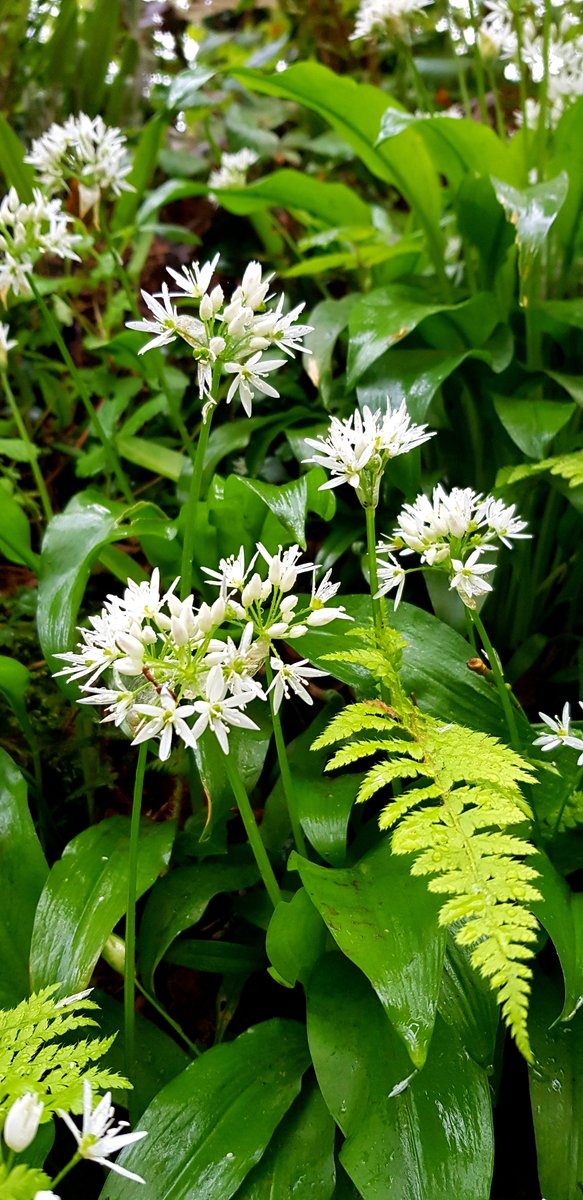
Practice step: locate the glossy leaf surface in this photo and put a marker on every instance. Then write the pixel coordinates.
(23, 871)
(299, 1161)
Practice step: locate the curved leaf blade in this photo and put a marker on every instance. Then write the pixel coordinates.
(23, 872)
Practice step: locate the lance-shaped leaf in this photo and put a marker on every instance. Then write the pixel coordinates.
(532, 211)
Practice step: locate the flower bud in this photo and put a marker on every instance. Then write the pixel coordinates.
(148, 635)
(206, 308)
(240, 322)
(130, 645)
(114, 953)
(216, 346)
(22, 1122)
(179, 631)
(277, 629)
(296, 631)
(287, 604)
(218, 610)
(175, 606)
(217, 296)
(252, 590)
(323, 616)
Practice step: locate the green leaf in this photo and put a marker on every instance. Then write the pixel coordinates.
(15, 530)
(296, 937)
(561, 913)
(217, 957)
(468, 1004)
(532, 424)
(291, 502)
(17, 173)
(457, 147)
(184, 91)
(158, 1057)
(154, 457)
(294, 190)
(86, 895)
(426, 1135)
(328, 319)
(482, 223)
(179, 900)
(385, 920)
(211, 1125)
(565, 157)
(248, 748)
(532, 211)
(299, 1161)
(14, 682)
(100, 30)
(145, 159)
(23, 871)
(556, 1094)
(355, 110)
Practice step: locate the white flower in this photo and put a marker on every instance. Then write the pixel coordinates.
(294, 676)
(281, 329)
(560, 733)
(232, 571)
(500, 519)
(283, 567)
(357, 449)
(323, 616)
(240, 663)
(22, 1122)
(46, 1196)
(341, 453)
(385, 16)
(28, 231)
(232, 172)
(468, 578)
(6, 344)
(248, 378)
(165, 325)
(194, 280)
(253, 289)
(166, 719)
(391, 575)
(86, 150)
(218, 711)
(99, 1137)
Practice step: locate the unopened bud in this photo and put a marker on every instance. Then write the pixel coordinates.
(114, 953)
(22, 1122)
(252, 590)
(206, 308)
(217, 296)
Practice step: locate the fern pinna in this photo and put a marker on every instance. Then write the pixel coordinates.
(456, 794)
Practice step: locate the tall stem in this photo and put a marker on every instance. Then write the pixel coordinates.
(371, 541)
(252, 831)
(191, 506)
(523, 90)
(499, 680)
(544, 94)
(285, 772)
(119, 268)
(480, 77)
(84, 396)
(129, 987)
(23, 431)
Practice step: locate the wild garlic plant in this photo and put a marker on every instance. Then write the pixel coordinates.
(39, 1081)
(28, 232)
(229, 340)
(84, 153)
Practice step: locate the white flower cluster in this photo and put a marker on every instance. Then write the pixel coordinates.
(169, 661)
(27, 231)
(227, 337)
(450, 532)
(84, 150)
(99, 1136)
(390, 18)
(357, 449)
(232, 172)
(560, 733)
(498, 38)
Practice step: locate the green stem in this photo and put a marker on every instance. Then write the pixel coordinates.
(423, 97)
(544, 94)
(499, 680)
(480, 77)
(191, 505)
(23, 431)
(192, 1047)
(120, 271)
(371, 541)
(252, 831)
(285, 772)
(73, 1163)
(523, 90)
(129, 991)
(500, 123)
(93, 416)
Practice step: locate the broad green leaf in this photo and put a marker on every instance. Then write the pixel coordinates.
(100, 31)
(561, 913)
(556, 1090)
(426, 1135)
(296, 937)
(573, 384)
(457, 694)
(482, 223)
(291, 502)
(458, 147)
(179, 900)
(299, 1161)
(185, 89)
(14, 681)
(385, 920)
(210, 1126)
(355, 110)
(72, 543)
(249, 748)
(86, 895)
(294, 190)
(328, 319)
(23, 871)
(161, 460)
(15, 530)
(565, 157)
(217, 957)
(468, 1004)
(145, 159)
(158, 1057)
(532, 424)
(16, 172)
(532, 212)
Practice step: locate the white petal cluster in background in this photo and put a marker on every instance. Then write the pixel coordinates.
(449, 532)
(27, 232)
(357, 449)
(232, 172)
(174, 671)
(86, 151)
(559, 733)
(227, 337)
(389, 18)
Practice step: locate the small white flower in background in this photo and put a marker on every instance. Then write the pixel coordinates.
(84, 150)
(389, 17)
(99, 1136)
(6, 344)
(391, 575)
(292, 675)
(27, 232)
(357, 449)
(219, 711)
(560, 733)
(22, 1122)
(232, 172)
(225, 338)
(468, 578)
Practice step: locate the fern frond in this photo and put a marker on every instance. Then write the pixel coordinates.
(458, 824)
(22, 1182)
(38, 1054)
